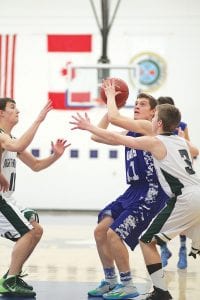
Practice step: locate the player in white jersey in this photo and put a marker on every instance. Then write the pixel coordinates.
(16, 223)
(182, 130)
(172, 157)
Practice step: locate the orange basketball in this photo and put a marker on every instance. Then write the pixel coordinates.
(122, 87)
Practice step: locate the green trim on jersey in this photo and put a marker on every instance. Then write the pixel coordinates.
(13, 218)
(174, 183)
(158, 222)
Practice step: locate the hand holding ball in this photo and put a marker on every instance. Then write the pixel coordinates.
(121, 87)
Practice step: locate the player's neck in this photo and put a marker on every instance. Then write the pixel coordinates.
(6, 128)
(161, 132)
(166, 133)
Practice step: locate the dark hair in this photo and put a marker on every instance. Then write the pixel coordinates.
(169, 115)
(4, 101)
(152, 100)
(164, 100)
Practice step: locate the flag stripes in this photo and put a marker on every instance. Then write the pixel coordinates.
(7, 65)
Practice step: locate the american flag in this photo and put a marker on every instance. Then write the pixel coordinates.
(7, 65)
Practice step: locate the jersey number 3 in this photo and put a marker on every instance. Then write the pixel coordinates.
(185, 156)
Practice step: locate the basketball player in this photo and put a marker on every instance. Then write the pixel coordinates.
(123, 220)
(16, 223)
(119, 120)
(173, 161)
(165, 252)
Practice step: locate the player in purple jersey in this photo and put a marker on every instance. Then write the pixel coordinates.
(122, 221)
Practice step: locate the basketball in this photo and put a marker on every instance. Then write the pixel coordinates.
(120, 86)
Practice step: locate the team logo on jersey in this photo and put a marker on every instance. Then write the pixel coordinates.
(149, 71)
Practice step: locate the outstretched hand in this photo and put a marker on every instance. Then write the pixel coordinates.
(80, 122)
(59, 147)
(42, 115)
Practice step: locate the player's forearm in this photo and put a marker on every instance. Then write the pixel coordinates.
(102, 124)
(108, 137)
(45, 162)
(20, 144)
(112, 108)
(141, 126)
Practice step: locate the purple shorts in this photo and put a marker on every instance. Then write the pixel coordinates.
(133, 211)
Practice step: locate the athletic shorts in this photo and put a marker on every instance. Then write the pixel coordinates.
(13, 222)
(134, 210)
(180, 216)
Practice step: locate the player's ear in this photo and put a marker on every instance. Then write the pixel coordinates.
(160, 123)
(153, 112)
(1, 112)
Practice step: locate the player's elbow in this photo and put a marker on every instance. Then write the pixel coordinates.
(20, 148)
(195, 152)
(36, 167)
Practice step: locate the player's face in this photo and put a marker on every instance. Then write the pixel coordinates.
(143, 110)
(11, 113)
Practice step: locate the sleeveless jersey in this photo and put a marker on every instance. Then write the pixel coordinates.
(176, 167)
(8, 169)
(139, 165)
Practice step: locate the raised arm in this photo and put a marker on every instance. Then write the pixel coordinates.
(116, 118)
(185, 134)
(18, 145)
(194, 151)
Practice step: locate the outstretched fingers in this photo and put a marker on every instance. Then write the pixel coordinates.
(63, 143)
(77, 118)
(111, 87)
(79, 121)
(74, 123)
(48, 106)
(87, 117)
(59, 146)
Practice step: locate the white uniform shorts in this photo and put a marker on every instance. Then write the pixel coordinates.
(180, 216)
(13, 223)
